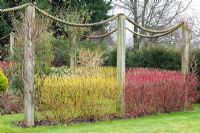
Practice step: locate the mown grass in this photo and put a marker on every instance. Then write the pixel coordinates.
(179, 122)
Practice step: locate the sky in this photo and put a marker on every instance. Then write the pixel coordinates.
(195, 5)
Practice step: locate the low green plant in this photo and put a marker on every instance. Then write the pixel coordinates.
(3, 82)
(59, 71)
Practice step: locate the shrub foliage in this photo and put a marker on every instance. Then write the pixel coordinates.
(151, 91)
(3, 82)
(83, 95)
(4, 65)
(89, 57)
(92, 93)
(10, 103)
(155, 57)
(158, 57)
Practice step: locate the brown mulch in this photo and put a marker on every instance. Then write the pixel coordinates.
(74, 121)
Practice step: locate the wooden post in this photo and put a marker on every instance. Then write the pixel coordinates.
(73, 52)
(28, 72)
(121, 52)
(185, 52)
(12, 41)
(11, 52)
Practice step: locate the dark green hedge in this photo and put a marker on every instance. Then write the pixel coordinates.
(155, 57)
(158, 57)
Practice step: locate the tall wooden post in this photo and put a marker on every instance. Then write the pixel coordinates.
(121, 52)
(12, 41)
(28, 73)
(73, 52)
(185, 52)
(11, 52)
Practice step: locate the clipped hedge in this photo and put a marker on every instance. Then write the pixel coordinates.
(155, 57)
(159, 57)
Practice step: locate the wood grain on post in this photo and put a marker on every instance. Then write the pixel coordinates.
(28, 73)
(11, 52)
(185, 52)
(73, 52)
(121, 49)
(12, 41)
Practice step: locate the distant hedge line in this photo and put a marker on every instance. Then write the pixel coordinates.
(158, 57)
(155, 57)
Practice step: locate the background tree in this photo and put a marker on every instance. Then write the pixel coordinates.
(6, 25)
(95, 10)
(5, 21)
(154, 14)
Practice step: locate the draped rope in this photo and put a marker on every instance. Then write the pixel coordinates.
(100, 36)
(76, 24)
(15, 8)
(163, 32)
(153, 31)
(153, 36)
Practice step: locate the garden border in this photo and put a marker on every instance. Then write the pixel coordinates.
(28, 73)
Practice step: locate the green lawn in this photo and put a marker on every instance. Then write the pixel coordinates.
(181, 122)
